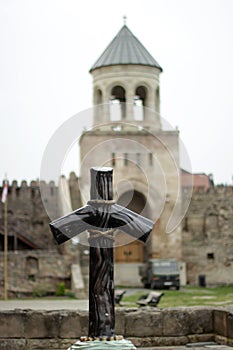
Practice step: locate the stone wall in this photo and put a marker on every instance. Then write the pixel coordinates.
(27, 219)
(27, 329)
(36, 264)
(35, 272)
(207, 240)
(98, 147)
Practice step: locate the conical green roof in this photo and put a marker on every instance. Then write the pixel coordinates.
(125, 48)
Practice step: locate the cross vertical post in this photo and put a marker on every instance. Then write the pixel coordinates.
(100, 217)
(101, 281)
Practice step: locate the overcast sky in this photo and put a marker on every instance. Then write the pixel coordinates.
(48, 46)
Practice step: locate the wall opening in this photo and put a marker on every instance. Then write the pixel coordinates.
(117, 105)
(210, 256)
(150, 159)
(140, 103)
(113, 162)
(99, 96)
(157, 99)
(138, 158)
(126, 159)
(32, 268)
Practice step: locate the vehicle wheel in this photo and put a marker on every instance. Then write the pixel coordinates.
(146, 285)
(177, 287)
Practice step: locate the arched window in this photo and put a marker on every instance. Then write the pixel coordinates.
(118, 107)
(139, 103)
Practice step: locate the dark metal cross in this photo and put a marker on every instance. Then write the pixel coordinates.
(101, 217)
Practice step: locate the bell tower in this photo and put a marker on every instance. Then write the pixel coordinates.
(125, 76)
(127, 135)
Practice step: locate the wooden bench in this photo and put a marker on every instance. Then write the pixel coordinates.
(118, 296)
(151, 299)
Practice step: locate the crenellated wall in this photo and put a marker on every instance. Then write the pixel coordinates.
(35, 259)
(27, 218)
(36, 264)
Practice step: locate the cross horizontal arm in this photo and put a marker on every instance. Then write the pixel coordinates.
(72, 224)
(130, 222)
(101, 216)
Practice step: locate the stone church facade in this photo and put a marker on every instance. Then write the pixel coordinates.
(128, 135)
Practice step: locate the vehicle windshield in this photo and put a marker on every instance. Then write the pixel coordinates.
(165, 267)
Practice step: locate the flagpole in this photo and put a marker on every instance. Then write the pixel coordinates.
(5, 251)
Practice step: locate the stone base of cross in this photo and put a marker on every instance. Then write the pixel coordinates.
(100, 218)
(122, 344)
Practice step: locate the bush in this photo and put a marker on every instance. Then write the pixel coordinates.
(70, 294)
(41, 290)
(61, 289)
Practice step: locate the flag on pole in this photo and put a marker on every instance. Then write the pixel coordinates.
(4, 191)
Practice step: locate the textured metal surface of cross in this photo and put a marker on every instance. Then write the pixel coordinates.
(100, 218)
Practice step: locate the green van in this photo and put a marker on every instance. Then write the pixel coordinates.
(161, 274)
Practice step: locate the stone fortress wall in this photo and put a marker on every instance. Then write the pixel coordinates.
(35, 263)
(35, 260)
(207, 239)
(27, 218)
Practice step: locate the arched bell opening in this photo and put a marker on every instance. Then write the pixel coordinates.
(118, 106)
(140, 99)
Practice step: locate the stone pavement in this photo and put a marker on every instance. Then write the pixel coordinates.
(47, 304)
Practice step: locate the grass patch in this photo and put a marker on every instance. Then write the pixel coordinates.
(188, 296)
